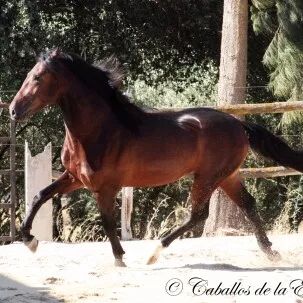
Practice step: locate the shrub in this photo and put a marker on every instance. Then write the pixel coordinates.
(189, 86)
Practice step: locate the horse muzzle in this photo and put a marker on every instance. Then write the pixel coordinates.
(17, 115)
(19, 111)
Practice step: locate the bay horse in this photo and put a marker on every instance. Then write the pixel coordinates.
(110, 143)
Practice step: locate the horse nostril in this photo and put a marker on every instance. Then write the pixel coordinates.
(14, 114)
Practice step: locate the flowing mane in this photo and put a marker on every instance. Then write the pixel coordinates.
(104, 79)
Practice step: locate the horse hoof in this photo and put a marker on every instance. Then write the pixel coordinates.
(32, 245)
(152, 260)
(119, 263)
(274, 256)
(155, 256)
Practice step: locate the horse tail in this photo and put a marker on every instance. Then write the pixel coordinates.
(270, 146)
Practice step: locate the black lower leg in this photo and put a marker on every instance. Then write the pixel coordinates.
(109, 225)
(249, 208)
(26, 225)
(63, 184)
(262, 239)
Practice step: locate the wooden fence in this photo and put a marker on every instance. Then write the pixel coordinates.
(127, 193)
(11, 171)
(260, 108)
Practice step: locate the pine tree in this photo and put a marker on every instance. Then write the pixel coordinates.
(282, 21)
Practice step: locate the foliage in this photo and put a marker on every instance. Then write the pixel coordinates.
(170, 51)
(283, 21)
(78, 219)
(189, 86)
(145, 34)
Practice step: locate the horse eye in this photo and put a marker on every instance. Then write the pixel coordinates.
(36, 78)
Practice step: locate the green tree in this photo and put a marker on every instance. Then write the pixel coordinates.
(282, 23)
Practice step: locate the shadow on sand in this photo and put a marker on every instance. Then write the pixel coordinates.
(229, 267)
(12, 291)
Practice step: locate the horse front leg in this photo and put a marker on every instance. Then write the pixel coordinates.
(64, 184)
(106, 204)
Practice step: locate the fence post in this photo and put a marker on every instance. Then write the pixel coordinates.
(38, 174)
(13, 178)
(126, 211)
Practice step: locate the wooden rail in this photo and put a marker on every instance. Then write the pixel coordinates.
(245, 109)
(5, 140)
(268, 172)
(4, 105)
(262, 108)
(5, 172)
(6, 205)
(8, 172)
(6, 239)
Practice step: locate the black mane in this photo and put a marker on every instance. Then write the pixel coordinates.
(103, 79)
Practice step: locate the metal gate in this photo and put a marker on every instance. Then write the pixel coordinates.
(11, 172)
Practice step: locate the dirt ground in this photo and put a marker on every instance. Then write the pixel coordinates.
(220, 269)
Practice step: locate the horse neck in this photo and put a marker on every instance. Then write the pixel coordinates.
(86, 117)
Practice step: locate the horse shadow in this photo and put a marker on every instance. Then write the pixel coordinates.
(14, 291)
(230, 267)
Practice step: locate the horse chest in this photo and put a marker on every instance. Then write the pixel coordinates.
(77, 164)
(86, 174)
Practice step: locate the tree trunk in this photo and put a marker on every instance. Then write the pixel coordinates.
(224, 216)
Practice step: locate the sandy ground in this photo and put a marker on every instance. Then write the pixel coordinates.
(189, 270)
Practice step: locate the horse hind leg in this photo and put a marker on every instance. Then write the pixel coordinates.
(234, 188)
(200, 195)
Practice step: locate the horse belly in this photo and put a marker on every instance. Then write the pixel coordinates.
(161, 166)
(153, 179)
